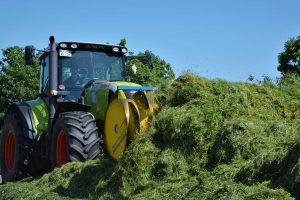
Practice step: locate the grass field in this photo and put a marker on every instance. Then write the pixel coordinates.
(212, 139)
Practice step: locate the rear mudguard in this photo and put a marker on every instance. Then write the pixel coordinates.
(26, 113)
(35, 115)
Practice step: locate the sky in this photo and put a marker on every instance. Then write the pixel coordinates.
(216, 39)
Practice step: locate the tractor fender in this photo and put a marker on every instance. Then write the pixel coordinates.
(26, 113)
(69, 106)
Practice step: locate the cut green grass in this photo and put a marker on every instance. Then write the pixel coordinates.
(212, 139)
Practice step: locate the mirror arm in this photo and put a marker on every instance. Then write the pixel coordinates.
(147, 56)
(134, 57)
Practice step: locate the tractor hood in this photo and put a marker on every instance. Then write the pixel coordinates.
(99, 93)
(124, 83)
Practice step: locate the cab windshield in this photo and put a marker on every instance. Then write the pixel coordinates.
(79, 67)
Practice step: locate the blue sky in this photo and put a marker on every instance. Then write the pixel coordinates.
(216, 39)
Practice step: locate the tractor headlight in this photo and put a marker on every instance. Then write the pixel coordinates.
(74, 46)
(63, 45)
(115, 49)
(124, 50)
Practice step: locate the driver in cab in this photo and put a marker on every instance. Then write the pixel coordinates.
(74, 80)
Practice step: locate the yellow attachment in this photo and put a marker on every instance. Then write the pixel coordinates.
(125, 119)
(145, 110)
(121, 94)
(134, 121)
(115, 127)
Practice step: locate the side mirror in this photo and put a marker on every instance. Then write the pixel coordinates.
(29, 55)
(149, 59)
(147, 56)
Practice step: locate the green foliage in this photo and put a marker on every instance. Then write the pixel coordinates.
(143, 74)
(18, 81)
(211, 140)
(289, 59)
(123, 42)
(1, 119)
(161, 72)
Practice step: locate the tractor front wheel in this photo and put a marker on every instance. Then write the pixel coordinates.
(75, 138)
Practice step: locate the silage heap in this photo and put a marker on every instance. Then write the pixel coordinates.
(210, 140)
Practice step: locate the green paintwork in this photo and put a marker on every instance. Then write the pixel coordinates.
(123, 83)
(98, 98)
(40, 114)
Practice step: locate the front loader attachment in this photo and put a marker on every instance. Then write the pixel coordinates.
(145, 110)
(134, 126)
(126, 119)
(115, 127)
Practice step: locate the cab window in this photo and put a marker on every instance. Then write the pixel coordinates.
(44, 85)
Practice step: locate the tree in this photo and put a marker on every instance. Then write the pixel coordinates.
(289, 59)
(122, 42)
(18, 81)
(162, 71)
(142, 74)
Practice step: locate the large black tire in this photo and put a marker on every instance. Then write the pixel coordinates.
(75, 138)
(14, 148)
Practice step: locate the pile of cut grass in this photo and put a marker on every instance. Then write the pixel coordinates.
(212, 139)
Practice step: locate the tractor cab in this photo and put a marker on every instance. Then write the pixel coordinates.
(81, 63)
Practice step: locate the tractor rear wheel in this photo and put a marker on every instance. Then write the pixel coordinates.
(14, 148)
(74, 138)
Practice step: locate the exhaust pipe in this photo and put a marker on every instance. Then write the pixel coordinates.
(53, 82)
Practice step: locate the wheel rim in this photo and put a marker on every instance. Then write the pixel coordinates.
(61, 149)
(9, 151)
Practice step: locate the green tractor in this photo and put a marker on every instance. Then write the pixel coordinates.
(85, 109)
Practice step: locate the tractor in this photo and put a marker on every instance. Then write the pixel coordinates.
(85, 109)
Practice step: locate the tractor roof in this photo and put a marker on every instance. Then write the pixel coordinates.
(75, 45)
(88, 43)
